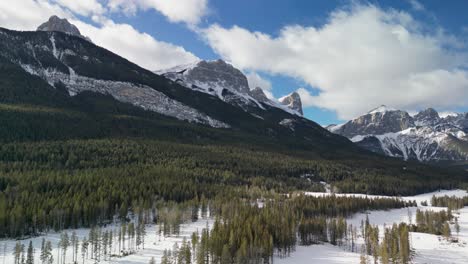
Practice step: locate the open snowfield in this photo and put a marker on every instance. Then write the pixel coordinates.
(154, 244)
(428, 248)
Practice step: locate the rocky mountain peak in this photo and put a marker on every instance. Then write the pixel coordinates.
(259, 95)
(293, 101)
(378, 121)
(428, 117)
(217, 74)
(381, 109)
(62, 25)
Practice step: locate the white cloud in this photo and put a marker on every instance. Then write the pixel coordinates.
(188, 11)
(136, 46)
(82, 7)
(28, 14)
(362, 57)
(416, 5)
(121, 39)
(255, 80)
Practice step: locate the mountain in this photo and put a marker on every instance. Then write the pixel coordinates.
(292, 101)
(424, 137)
(221, 79)
(67, 71)
(61, 25)
(58, 89)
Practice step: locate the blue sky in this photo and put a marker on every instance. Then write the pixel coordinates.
(270, 16)
(344, 56)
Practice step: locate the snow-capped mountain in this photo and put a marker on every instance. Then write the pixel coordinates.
(293, 101)
(221, 79)
(64, 60)
(66, 69)
(425, 136)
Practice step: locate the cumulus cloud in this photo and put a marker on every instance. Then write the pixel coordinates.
(136, 46)
(28, 14)
(122, 39)
(362, 57)
(188, 11)
(82, 7)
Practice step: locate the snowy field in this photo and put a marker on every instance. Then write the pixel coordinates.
(428, 248)
(154, 244)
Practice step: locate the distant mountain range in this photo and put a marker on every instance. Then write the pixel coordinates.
(425, 136)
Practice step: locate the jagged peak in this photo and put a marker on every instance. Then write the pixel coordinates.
(293, 101)
(428, 112)
(381, 109)
(56, 23)
(258, 94)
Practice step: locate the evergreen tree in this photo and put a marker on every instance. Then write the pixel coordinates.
(30, 254)
(64, 243)
(43, 256)
(84, 249)
(74, 244)
(48, 253)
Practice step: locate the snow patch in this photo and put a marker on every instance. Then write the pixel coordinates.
(138, 95)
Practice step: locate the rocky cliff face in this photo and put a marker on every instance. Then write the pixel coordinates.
(292, 101)
(428, 117)
(258, 94)
(425, 136)
(224, 81)
(62, 25)
(376, 122)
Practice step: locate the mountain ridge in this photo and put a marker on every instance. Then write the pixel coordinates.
(425, 136)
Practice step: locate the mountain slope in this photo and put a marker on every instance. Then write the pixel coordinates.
(65, 61)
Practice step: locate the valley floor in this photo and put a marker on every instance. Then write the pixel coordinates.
(427, 248)
(430, 249)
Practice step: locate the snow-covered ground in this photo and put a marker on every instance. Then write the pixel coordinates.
(430, 249)
(323, 254)
(154, 244)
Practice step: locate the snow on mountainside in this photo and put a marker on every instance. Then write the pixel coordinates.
(224, 81)
(292, 101)
(425, 136)
(57, 58)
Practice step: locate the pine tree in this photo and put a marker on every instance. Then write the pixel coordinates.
(446, 230)
(165, 258)
(48, 253)
(84, 249)
(17, 252)
(65, 243)
(152, 261)
(104, 241)
(457, 227)
(74, 243)
(43, 256)
(23, 257)
(30, 254)
(111, 240)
